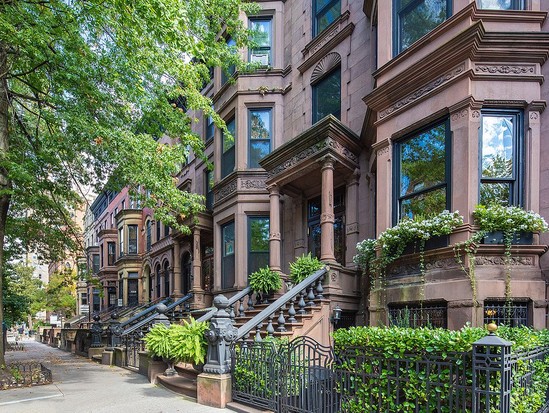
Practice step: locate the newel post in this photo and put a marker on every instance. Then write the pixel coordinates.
(214, 384)
(491, 374)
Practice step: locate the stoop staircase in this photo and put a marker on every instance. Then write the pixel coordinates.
(302, 310)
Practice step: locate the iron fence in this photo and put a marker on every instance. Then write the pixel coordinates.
(304, 377)
(430, 383)
(24, 374)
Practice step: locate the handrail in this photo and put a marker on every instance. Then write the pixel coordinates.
(232, 300)
(149, 309)
(273, 307)
(155, 315)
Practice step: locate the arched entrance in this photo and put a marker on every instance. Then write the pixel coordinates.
(186, 273)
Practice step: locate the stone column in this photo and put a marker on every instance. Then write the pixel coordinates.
(176, 270)
(351, 215)
(274, 223)
(197, 261)
(327, 213)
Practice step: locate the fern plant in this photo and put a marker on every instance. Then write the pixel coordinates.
(304, 266)
(190, 345)
(158, 341)
(265, 280)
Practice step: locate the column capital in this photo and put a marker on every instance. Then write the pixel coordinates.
(327, 162)
(273, 189)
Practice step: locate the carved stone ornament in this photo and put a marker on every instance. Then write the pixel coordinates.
(460, 115)
(224, 192)
(383, 151)
(352, 228)
(534, 115)
(485, 260)
(274, 235)
(418, 93)
(323, 67)
(506, 69)
(327, 217)
(443, 264)
(301, 156)
(252, 184)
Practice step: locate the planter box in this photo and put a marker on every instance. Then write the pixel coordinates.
(519, 238)
(439, 241)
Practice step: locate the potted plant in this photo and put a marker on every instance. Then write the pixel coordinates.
(264, 282)
(178, 343)
(304, 266)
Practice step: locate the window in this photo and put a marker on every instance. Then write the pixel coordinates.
(95, 261)
(501, 4)
(259, 131)
(166, 230)
(258, 243)
(209, 190)
(226, 74)
(120, 241)
(84, 298)
(500, 157)
(325, 13)
(509, 313)
(423, 172)
(132, 239)
(210, 129)
(96, 300)
(415, 18)
(419, 315)
(166, 279)
(148, 234)
(111, 253)
(327, 96)
(227, 256)
(158, 229)
(262, 37)
(228, 153)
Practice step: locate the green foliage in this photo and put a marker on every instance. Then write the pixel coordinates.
(508, 219)
(265, 280)
(303, 267)
(374, 255)
(23, 294)
(372, 381)
(178, 343)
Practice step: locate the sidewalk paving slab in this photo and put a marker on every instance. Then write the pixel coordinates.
(80, 385)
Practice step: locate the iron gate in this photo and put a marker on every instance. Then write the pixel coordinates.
(134, 344)
(296, 377)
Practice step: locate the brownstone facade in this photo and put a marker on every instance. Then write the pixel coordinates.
(317, 134)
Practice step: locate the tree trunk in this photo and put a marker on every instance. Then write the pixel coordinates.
(5, 184)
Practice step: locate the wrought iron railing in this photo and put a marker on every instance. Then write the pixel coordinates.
(240, 298)
(296, 301)
(24, 374)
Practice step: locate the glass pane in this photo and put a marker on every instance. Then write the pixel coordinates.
(262, 32)
(327, 94)
(426, 204)
(259, 234)
(339, 240)
(423, 161)
(327, 17)
(228, 239)
(314, 207)
(260, 124)
(314, 240)
(228, 138)
(420, 20)
(495, 193)
(499, 4)
(227, 162)
(257, 260)
(497, 146)
(258, 150)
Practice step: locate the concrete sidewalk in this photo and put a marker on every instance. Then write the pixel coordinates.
(80, 385)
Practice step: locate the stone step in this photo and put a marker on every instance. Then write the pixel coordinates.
(243, 408)
(178, 384)
(98, 358)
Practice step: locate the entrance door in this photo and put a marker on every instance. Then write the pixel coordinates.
(133, 298)
(186, 273)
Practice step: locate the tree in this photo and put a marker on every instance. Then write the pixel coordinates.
(23, 294)
(87, 88)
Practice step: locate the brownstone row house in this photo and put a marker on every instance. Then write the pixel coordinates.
(348, 92)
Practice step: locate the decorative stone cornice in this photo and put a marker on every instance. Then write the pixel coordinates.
(224, 191)
(252, 184)
(423, 90)
(329, 136)
(326, 41)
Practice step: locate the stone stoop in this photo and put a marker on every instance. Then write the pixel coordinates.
(184, 382)
(242, 408)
